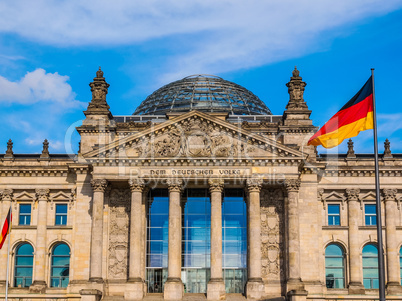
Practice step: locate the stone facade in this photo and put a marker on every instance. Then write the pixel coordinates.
(289, 191)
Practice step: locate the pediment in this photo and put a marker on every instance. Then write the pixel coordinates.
(194, 135)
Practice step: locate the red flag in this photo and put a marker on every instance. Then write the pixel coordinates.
(6, 228)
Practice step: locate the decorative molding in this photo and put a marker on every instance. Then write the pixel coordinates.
(254, 184)
(136, 184)
(175, 185)
(99, 185)
(389, 194)
(42, 194)
(216, 185)
(272, 234)
(119, 201)
(292, 185)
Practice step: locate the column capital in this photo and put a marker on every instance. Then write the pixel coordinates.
(389, 194)
(136, 184)
(292, 185)
(215, 185)
(42, 194)
(99, 185)
(352, 194)
(254, 184)
(6, 194)
(175, 185)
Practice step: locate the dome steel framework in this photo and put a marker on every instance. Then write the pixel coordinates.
(206, 93)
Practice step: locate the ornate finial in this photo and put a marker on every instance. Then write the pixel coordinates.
(296, 72)
(99, 73)
(387, 149)
(9, 152)
(99, 89)
(45, 150)
(351, 152)
(296, 90)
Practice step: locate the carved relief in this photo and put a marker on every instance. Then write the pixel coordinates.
(118, 233)
(194, 137)
(272, 234)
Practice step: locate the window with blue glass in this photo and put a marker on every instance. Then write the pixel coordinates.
(334, 266)
(400, 263)
(60, 269)
(157, 240)
(334, 215)
(370, 266)
(61, 214)
(196, 240)
(234, 240)
(25, 214)
(370, 214)
(23, 265)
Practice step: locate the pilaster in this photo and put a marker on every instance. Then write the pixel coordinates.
(216, 286)
(393, 283)
(135, 287)
(39, 283)
(255, 285)
(98, 187)
(174, 289)
(355, 284)
(294, 282)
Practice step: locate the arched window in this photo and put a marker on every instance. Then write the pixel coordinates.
(370, 266)
(334, 267)
(60, 269)
(23, 265)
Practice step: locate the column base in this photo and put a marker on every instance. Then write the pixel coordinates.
(134, 289)
(356, 288)
(38, 287)
(297, 295)
(255, 288)
(96, 279)
(174, 289)
(90, 295)
(394, 288)
(295, 284)
(216, 289)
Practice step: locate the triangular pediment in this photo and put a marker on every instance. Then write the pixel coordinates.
(194, 135)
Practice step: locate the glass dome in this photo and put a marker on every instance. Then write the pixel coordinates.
(206, 93)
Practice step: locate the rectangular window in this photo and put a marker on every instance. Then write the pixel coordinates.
(61, 214)
(370, 215)
(25, 214)
(334, 215)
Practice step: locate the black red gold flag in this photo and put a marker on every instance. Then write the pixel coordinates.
(6, 228)
(355, 116)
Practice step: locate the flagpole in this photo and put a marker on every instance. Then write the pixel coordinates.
(381, 267)
(8, 260)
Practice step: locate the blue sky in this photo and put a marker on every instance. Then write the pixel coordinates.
(50, 51)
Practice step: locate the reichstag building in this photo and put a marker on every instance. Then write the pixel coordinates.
(201, 193)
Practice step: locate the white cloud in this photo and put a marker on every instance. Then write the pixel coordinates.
(208, 34)
(38, 86)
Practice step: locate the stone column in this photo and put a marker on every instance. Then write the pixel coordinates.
(39, 283)
(135, 287)
(6, 198)
(174, 288)
(255, 286)
(391, 210)
(355, 284)
(294, 282)
(216, 286)
(98, 187)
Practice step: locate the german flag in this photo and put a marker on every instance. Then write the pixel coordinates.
(6, 228)
(355, 116)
